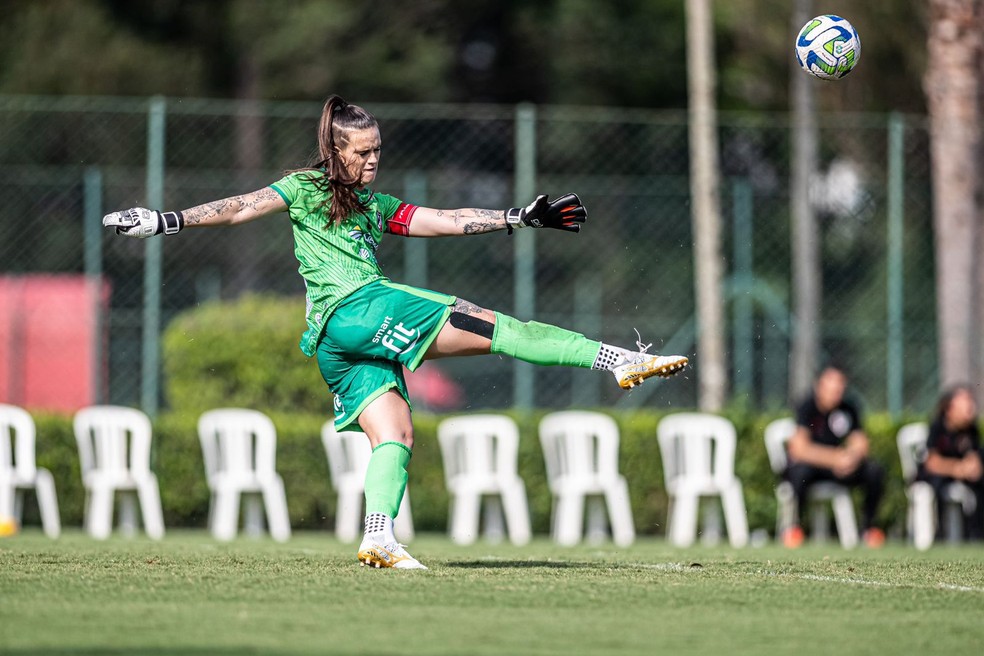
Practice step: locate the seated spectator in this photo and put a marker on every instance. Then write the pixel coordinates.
(953, 453)
(830, 445)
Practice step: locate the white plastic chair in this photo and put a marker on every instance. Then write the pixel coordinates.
(580, 450)
(114, 453)
(777, 434)
(239, 447)
(698, 453)
(921, 516)
(480, 454)
(19, 471)
(348, 458)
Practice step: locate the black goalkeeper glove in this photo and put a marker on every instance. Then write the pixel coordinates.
(142, 223)
(564, 213)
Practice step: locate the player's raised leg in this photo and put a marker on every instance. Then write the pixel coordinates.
(472, 330)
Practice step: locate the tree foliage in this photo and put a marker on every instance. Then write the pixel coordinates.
(622, 53)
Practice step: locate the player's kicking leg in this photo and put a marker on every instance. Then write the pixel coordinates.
(472, 330)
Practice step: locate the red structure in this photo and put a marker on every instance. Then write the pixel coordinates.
(53, 341)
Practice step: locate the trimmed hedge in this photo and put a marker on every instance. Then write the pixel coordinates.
(302, 463)
(241, 354)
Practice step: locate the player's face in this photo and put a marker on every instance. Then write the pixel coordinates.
(359, 152)
(962, 411)
(829, 390)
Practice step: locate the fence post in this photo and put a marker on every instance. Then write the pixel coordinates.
(153, 256)
(743, 337)
(92, 264)
(588, 301)
(524, 253)
(415, 250)
(92, 211)
(896, 295)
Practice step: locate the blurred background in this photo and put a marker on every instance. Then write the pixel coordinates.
(108, 104)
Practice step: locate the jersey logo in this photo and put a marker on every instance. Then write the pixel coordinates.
(839, 423)
(358, 234)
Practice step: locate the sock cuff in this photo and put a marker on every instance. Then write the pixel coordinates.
(500, 322)
(403, 446)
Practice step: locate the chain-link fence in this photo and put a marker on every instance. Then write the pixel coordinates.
(65, 161)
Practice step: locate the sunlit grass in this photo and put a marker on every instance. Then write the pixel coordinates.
(189, 594)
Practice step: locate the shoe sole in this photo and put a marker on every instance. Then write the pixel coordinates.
(669, 369)
(371, 559)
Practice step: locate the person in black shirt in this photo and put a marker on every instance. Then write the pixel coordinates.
(953, 453)
(830, 445)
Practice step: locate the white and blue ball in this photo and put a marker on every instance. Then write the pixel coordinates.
(828, 47)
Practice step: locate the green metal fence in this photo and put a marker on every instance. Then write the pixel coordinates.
(65, 161)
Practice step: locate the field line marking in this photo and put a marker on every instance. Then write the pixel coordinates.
(883, 584)
(679, 567)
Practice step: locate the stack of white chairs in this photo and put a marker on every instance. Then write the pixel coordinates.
(921, 517)
(777, 434)
(480, 463)
(348, 455)
(698, 453)
(239, 447)
(114, 453)
(580, 450)
(19, 471)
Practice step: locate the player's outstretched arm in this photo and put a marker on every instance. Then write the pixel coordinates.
(142, 223)
(564, 213)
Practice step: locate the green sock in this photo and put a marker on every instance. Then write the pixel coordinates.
(542, 344)
(386, 478)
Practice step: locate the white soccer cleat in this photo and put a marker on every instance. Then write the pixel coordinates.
(394, 554)
(645, 365)
(631, 374)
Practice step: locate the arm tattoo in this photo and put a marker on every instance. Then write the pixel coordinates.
(209, 211)
(479, 227)
(464, 307)
(489, 220)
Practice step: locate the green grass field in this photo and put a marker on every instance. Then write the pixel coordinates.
(191, 595)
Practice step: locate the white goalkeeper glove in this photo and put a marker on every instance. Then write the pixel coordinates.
(141, 223)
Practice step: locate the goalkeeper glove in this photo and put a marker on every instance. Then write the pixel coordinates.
(564, 213)
(142, 223)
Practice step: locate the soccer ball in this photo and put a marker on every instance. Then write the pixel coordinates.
(828, 47)
(8, 527)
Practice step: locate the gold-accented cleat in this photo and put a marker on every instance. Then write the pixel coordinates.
(391, 555)
(631, 374)
(644, 365)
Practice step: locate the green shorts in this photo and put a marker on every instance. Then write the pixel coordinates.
(371, 336)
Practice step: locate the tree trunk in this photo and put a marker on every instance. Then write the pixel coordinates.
(249, 159)
(953, 93)
(705, 192)
(807, 274)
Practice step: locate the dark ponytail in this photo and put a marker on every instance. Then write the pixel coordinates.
(337, 118)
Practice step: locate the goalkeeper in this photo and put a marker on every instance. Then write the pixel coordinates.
(362, 327)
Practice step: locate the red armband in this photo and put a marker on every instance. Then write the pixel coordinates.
(399, 224)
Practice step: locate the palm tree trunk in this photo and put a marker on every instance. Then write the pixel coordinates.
(711, 365)
(953, 92)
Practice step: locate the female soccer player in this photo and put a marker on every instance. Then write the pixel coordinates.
(364, 328)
